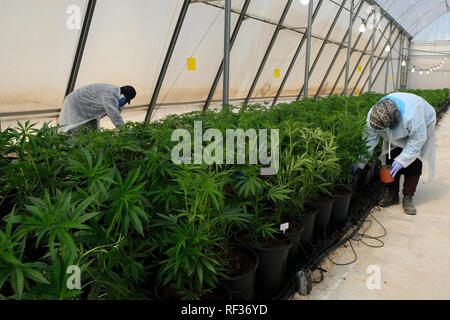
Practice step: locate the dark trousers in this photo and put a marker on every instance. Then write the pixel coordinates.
(412, 174)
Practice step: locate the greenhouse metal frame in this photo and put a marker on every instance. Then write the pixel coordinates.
(370, 69)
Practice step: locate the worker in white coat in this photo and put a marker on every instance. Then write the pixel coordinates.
(406, 122)
(84, 107)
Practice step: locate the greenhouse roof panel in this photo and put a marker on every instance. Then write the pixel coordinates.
(415, 15)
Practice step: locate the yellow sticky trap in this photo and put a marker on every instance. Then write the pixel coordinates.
(357, 93)
(393, 79)
(191, 64)
(359, 68)
(277, 73)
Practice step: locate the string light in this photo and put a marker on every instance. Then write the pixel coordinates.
(388, 48)
(431, 69)
(362, 28)
(304, 2)
(403, 63)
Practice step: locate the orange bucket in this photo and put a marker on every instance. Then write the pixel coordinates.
(385, 175)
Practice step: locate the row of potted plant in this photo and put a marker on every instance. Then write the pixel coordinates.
(139, 226)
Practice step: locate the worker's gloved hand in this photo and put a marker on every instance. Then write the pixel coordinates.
(130, 134)
(396, 167)
(355, 168)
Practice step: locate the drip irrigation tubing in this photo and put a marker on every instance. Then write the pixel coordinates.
(358, 216)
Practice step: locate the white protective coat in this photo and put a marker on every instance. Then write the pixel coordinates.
(88, 103)
(415, 133)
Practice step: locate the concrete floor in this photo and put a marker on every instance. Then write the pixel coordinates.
(415, 260)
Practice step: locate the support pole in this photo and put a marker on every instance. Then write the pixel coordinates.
(324, 43)
(349, 48)
(365, 68)
(406, 74)
(269, 49)
(376, 63)
(162, 73)
(399, 65)
(294, 59)
(220, 70)
(337, 53)
(345, 65)
(226, 54)
(362, 55)
(374, 33)
(308, 49)
(389, 55)
(80, 47)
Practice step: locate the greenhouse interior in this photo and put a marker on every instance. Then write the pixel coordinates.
(224, 150)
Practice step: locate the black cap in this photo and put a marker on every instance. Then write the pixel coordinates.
(128, 92)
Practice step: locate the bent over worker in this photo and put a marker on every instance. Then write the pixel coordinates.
(406, 122)
(84, 107)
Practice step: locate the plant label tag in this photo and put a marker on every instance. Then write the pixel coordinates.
(284, 227)
(191, 64)
(277, 73)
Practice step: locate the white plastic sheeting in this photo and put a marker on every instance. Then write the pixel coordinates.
(415, 15)
(439, 30)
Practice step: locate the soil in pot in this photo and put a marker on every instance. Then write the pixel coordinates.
(243, 263)
(308, 218)
(324, 207)
(339, 214)
(272, 262)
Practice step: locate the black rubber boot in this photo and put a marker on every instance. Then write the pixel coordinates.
(408, 206)
(390, 198)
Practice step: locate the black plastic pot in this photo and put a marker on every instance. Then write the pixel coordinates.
(340, 210)
(243, 286)
(295, 237)
(324, 209)
(352, 187)
(308, 220)
(272, 267)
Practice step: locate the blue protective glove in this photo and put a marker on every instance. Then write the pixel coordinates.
(355, 168)
(130, 134)
(396, 167)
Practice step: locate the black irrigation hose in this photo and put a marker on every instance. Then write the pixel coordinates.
(288, 290)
